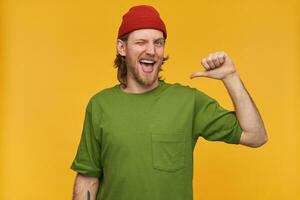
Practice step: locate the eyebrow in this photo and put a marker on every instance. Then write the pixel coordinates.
(146, 40)
(160, 39)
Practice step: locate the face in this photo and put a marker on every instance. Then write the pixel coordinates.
(144, 53)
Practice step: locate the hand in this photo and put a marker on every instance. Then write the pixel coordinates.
(217, 65)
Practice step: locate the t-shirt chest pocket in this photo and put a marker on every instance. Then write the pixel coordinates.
(168, 151)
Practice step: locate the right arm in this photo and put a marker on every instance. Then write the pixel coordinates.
(83, 185)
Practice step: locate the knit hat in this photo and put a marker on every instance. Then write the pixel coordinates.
(140, 17)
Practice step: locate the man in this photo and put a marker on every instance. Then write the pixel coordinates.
(138, 136)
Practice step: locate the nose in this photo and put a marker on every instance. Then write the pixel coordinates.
(150, 49)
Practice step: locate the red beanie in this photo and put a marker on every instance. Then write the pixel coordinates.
(140, 17)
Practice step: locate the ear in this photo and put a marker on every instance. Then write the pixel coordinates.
(121, 47)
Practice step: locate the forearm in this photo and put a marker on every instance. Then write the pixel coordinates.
(246, 110)
(84, 185)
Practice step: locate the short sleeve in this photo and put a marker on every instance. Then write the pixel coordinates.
(87, 160)
(213, 122)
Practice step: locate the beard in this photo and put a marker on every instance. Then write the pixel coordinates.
(142, 79)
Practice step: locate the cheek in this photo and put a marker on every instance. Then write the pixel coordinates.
(160, 52)
(134, 55)
(132, 58)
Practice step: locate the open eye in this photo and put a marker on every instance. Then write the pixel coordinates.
(159, 43)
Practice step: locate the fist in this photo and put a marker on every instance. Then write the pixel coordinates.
(217, 65)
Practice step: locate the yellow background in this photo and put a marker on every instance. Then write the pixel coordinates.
(56, 54)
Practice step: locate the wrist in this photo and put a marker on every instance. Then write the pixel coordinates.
(234, 85)
(231, 78)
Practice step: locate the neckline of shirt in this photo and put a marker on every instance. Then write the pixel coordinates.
(155, 90)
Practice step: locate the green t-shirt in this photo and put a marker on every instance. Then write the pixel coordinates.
(141, 145)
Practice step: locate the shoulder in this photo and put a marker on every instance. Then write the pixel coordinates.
(102, 96)
(180, 88)
(198, 95)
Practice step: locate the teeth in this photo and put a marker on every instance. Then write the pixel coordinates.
(147, 61)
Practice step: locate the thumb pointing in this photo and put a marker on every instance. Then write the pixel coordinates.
(199, 74)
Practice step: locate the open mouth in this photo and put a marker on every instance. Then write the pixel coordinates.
(147, 65)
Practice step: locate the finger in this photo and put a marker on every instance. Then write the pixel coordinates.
(210, 62)
(221, 57)
(205, 64)
(216, 60)
(199, 74)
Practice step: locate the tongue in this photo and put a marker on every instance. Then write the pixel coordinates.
(148, 68)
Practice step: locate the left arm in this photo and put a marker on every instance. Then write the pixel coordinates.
(219, 66)
(254, 133)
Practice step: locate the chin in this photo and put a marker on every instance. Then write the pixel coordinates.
(148, 81)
